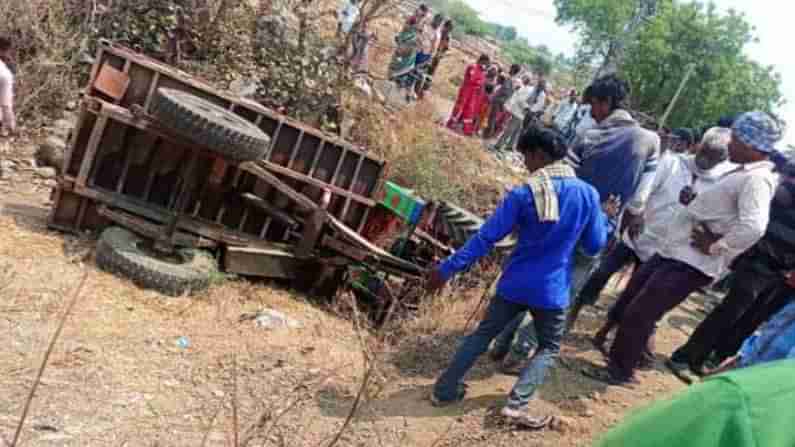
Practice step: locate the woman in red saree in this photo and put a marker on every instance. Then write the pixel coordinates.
(471, 97)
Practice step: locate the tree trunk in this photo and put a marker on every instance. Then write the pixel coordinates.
(644, 11)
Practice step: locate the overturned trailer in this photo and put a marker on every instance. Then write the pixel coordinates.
(169, 159)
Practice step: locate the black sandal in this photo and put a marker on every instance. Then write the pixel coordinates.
(460, 394)
(605, 376)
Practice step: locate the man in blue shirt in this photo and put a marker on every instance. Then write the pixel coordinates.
(554, 212)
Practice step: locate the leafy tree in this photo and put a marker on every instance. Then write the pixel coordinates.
(607, 27)
(506, 33)
(597, 22)
(467, 20)
(520, 52)
(724, 80)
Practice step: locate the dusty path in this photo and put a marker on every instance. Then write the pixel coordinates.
(118, 377)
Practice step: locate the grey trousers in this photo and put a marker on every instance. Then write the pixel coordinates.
(510, 135)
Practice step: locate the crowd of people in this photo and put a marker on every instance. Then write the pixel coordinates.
(492, 103)
(420, 46)
(683, 209)
(685, 212)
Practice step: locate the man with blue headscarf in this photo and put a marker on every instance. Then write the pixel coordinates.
(715, 227)
(763, 282)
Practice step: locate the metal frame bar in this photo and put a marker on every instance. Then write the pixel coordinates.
(315, 182)
(179, 76)
(75, 134)
(151, 93)
(150, 180)
(296, 149)
(128, 155)
(347, 205)
(316, 159)
(274, 139)
(91, 149)
(161, 215)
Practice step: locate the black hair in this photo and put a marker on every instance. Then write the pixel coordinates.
(423, 7)
(5, 44)
(515, 69)
(437, 20)
(788, 167)
(448, 23)
(587, 94)
(546, 140)
(483, 59)
(685, 135)
(727, 121)
(610, 88)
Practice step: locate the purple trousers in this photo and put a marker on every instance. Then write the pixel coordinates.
(657, 286)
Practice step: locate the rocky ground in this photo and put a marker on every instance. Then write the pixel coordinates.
(137, 369)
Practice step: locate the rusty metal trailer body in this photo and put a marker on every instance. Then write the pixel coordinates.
(307, 207)
(116, 155)
(119, 157)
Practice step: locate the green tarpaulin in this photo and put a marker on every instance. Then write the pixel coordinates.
(752, 407)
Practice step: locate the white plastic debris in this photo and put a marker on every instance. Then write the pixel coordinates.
(271, 319)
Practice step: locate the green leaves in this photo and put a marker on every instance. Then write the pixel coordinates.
(725, 80)
(520, 52)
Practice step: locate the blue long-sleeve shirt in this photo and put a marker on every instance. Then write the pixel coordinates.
(538, 273)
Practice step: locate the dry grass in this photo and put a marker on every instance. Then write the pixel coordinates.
(119, 367)
(428, 158)
(47, 56)
(117, 376)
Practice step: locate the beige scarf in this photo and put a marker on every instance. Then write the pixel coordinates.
(544, 195)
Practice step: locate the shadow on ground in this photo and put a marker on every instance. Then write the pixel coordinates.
(684, 324)
(32, 218)
(428, 355)
(411, 402)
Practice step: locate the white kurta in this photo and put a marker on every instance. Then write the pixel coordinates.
(6, 96)
(737, 207)
(674, 172)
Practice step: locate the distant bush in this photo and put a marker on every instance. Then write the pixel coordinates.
(47, 54)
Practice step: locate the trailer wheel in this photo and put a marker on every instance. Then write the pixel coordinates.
(124, 253)
(229, 135)
(462, 224)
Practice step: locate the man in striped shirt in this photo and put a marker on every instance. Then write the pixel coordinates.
(617, 157)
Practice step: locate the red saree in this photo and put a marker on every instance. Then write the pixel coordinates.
(471, 97)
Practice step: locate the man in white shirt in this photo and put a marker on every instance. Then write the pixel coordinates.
(517, 106)
(717, 224)
(565, 111)
(581, 119)
(7, 118)
(347, 16)
(537, 100)
(640, 243)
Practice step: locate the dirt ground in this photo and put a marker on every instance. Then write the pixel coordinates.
(117, 376)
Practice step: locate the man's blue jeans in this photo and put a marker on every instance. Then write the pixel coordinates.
(525, 334)
(549, 325)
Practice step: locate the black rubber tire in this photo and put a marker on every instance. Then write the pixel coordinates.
(463, 224)
(118, 252)
(220, 130)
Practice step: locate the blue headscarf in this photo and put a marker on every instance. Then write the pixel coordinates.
(758, 130)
